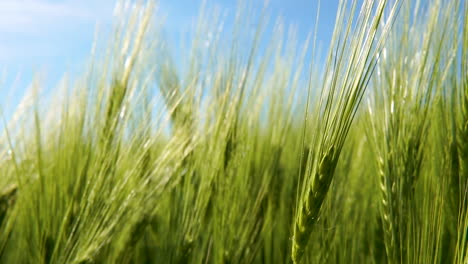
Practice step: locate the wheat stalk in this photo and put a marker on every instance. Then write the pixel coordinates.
(338, 104)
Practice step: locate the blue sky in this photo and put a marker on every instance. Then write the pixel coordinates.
(51, 37)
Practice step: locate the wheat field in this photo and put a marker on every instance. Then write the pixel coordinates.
(253, 150)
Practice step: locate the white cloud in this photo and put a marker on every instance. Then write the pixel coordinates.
(34, 16)
(41, 29)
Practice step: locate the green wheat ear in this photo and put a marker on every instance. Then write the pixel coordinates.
(344, 84)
